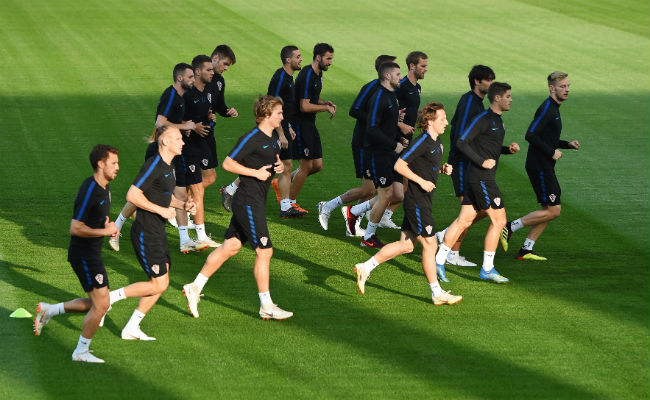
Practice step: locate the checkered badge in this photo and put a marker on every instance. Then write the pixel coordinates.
(192, 167)
(99, 278)
(497, 201)
(368, 173)
(428, 228)
(204, 162)
(307, 152)
(209, 97)
(220, 85)
(264, 240)
(552, 197)
(155, 268)
(382, 180)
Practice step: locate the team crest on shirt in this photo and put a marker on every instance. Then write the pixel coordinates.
(307, 152)
(497, 201)
(155, 268)
(204, 162)
(382, 180)
(99, 278)
(219, 85)
(109, 197)
(552, 197)
(209, 97)
(264, 240)
(429, 229)
(192, 167)
(368, 173)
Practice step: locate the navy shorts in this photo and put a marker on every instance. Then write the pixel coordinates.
(459, 176)
(546, 186)
(151, 250)
(90, 270)
(418, 219)
(482, 195)
(248, 224)
(378, 167)
(307, 144)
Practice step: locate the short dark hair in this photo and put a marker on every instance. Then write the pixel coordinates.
(198, 61)
(100, 152)
(384, 68)
(414, 58)
(479, 73)
(286, 52)
(321, 48)
(497, 89)
(224, 51)
(382, 59)
(179, 69)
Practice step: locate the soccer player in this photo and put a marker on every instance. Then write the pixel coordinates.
(170, 111)
(151, 192)
(469, 107)
(381, 144)
(282, 86)
(482, 143)
(89, 225)
(543, 152)
(358, 111)
(308, 148)
(199, 149)
(420, 163)
(255, 158)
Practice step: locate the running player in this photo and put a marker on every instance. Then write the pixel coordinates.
(255, 159)
(199, 150)
(420, 163)
(358, 111)
(543, 152)
(151, 192)
(89, 225)
(170, 111)
(381, 144)
(308, 148)
(282, 86)
(482, 143)
(469, 107)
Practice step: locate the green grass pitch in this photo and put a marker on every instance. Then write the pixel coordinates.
(76, 73)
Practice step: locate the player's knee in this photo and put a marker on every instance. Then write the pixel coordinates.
(316, 168)
(102, 304)
(265, 254)
(232, 247)
(397, 196)
(554, 211)
(407, 247)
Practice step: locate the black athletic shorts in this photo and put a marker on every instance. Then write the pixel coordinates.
(248, 224)
(378, 167)
(307, 144)
(286, 154)
(192, 169)
(179, 171)
(459, 177)
(210, 150)
(90, 270)
(418, 219)
(152, 251)
(358, 156)
(482, 195)
(546, 186)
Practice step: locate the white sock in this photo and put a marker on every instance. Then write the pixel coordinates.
(120, 221)
(370, 265)
(82, 345)
(333, 204)
(453, 254)
(200, 281)
(285, 204)
(516, 225)
(117, 295)
(441, 256)
(388, 213)
(134, 321)
(528, 244)
(265, 299)
(436, 290)
(488, 260)
(360, 208)
(56, 309)
(200, 232)
(292, 201)
(231, 189)
(183, 236)
(444, 232)
(370, 230)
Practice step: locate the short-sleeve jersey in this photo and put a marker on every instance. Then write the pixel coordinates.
(382, 132)
(423, 156)
(217, 89)
(408, 96)
(157, 181)
(543, 134)
(308, 86)
(282, 86)
(197, 108)
(254, 150)
(171, 106)
(359, 109)
(482, 140)
(91, 206)
(469, 107)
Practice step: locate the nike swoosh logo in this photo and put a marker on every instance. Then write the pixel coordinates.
(101, 202)
(264, 147)
(495, 129)
(196, 101)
